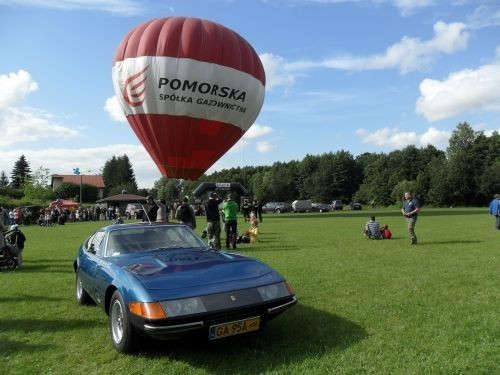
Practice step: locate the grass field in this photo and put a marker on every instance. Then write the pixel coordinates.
(364, 306)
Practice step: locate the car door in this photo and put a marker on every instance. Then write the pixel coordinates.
(89, 263)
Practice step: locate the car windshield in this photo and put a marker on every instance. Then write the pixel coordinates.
(147, 238)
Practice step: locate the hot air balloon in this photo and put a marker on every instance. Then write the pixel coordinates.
(190, 88)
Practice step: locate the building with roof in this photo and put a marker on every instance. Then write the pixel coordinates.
(92, 180)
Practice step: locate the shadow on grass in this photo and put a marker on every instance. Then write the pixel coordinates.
(30, 298)
(382, 213)
(450, 242)
(44, 325)
(302, 332)
(9, 347)
(46, 265)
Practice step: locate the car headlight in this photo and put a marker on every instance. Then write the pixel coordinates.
(185, 306)
(273, 291)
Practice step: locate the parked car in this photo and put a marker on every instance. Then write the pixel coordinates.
(337, 205)
(304, 205)
(320, 207)
(277, 207)
(356, 206)
(135, 210)
(161, 280)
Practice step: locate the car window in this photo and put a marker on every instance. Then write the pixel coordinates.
(134, 240)
(95, 241)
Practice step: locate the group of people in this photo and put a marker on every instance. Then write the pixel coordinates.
(11, 240)
(410, 210)
(159, 211)
(229, 216)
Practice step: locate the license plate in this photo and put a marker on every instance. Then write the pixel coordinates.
(234, 328)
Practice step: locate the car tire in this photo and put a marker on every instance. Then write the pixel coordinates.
(122, 333)
(82, 297)
(128, 216)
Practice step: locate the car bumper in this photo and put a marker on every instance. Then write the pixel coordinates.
(168, 329)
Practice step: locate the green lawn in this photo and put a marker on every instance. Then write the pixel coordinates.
(364, 306)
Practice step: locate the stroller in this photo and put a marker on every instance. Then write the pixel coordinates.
(11, 256)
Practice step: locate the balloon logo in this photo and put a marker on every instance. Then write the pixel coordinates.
(190, 88)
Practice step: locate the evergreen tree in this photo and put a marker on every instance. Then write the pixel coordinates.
(20, 172)
(118, 175)
(4, 180)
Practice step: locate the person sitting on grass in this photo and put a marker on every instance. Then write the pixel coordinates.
(386, 232)
(372, 229)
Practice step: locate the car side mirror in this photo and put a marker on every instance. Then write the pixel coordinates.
(91, 249)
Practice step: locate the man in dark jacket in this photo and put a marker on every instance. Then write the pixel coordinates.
(185, 214)
(152, 209)
(213, 217)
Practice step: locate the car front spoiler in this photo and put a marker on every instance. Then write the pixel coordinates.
(163, 331)
(281, 308)
(177, 328)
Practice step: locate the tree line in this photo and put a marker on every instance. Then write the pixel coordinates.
(466, 174)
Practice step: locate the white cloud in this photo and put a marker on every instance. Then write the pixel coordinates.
(120, 7)
(256, 131)
(112, 106)
(20, 124)
(393, 138)
(484, 16)
(463, 91)
(14, 87)
(264, 147)
(276, 72)
(407, 55)
(406, 7)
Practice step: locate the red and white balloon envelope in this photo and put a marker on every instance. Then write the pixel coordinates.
(190, 89)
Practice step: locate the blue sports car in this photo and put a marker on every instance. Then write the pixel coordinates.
(161, 280)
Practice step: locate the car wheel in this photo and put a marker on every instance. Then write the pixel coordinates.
(128, 215)
(123, 336)
(82, 297)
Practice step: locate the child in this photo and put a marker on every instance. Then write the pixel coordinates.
(253, 232)
(209, 232)
(386, 232)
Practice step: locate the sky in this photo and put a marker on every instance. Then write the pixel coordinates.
(354, 75)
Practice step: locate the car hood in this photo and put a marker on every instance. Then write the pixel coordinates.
(176, 269)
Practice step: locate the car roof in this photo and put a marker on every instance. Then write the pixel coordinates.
(138, 225)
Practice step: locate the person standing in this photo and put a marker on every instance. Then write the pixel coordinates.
(152, 212)
(213, 217)
(410, 210)
(495, 210)
(257, 209)
(245, 210)
(185, 214)
(230, 209)
(162, 213)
